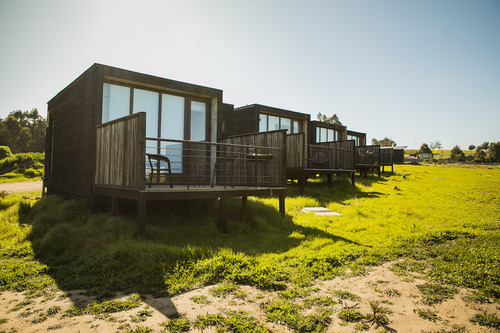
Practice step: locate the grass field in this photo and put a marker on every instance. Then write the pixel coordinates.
(21, 167)
(442, 222)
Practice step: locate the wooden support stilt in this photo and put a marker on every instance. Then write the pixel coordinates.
(282, 205)
(142, 219)
(353, 181)
(223, 216)
(329, 180)
(114, 205)
(303, 182)
(244, 202)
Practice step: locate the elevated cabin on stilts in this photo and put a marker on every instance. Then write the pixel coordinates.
(115, 134)
(387, 158)
(312, 147)
(367, 157)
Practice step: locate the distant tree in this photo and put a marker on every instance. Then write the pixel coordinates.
(472, 147)
(479, 155)
(494, 152)
(330, 120)
(424, 148)
(23, 131)
(457, 154)
(484, 146)
(436, 145)
(385, 142)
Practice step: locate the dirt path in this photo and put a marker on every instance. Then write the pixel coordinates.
(19, 313)
(22, 186)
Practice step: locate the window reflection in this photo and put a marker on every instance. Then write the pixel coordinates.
(115, 102)
(198, 121)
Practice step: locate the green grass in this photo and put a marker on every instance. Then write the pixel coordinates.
(440, 222)
(234, 321)
(22, 167)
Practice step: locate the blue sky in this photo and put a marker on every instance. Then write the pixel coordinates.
(415, 71)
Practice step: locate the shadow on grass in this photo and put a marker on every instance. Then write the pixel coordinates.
(100, 253)
(341, 190)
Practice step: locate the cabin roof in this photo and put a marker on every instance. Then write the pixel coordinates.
(350, 132)
(275, 111)
(328, 125)
(119, 75)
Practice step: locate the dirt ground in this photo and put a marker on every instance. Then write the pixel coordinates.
(21, 186)
(21, 314)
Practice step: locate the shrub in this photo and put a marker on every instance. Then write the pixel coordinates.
(19, 163)
(494, 152)
(457, 154)
(5, 152)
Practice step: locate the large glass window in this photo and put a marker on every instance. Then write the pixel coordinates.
(263, 123)
(147, 101)
(326, 135)
(323, 136)
(274, 123)
(172, 127)
(172, 117)
(286, 124)
(198, 121)
(115, 102)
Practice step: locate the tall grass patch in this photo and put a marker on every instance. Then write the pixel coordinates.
(439, 220)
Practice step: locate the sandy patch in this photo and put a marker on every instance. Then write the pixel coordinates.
(402, 297)
(22, 186)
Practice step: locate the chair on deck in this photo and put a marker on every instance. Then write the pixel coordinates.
(157, 167)
(320, 160)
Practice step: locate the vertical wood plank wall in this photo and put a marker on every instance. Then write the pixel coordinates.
(277, 167)
(368, 155)
(295, 150)
(386, 156)
(120, 152)
(340, 154)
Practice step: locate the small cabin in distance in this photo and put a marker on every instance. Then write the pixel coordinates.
(111, 131)
(325, 132)
(358, 137)
(256, 118)
(313, 147)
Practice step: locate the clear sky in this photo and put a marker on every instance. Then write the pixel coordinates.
(413, 70)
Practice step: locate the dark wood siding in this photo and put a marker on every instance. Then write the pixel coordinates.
(276, 167)
(295, 151)
(72, 121)
(244, 120)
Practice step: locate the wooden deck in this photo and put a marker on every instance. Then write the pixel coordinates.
(367, 159)
(251, 165)
(327, 158)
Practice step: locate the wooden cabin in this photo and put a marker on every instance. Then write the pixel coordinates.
(117, 134)
(387, 158)
(261, 118)
(368, 157)
(358, 137)
(320, 132)
(312, 147)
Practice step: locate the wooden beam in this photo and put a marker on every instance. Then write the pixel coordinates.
(282, 205)
(114, 205)
(223, 216)
(141, 232)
